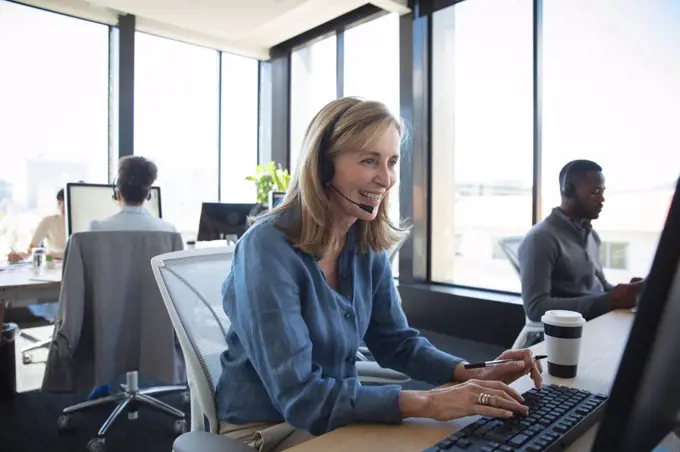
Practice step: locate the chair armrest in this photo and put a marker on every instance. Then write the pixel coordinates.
(208, 442)
(370, 371)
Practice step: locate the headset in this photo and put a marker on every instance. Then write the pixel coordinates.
(566, 185)
(326, 167)
(114, 196)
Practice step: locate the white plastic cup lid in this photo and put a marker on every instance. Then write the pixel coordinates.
(560, 317)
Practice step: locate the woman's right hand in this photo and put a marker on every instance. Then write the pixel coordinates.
(466, 399)
(14, 257)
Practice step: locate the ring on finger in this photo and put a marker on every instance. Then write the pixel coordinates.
(484, 398)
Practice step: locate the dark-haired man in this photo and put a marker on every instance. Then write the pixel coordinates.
(560, 256)
(136, 175)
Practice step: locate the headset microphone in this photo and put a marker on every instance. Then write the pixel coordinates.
(364, 207)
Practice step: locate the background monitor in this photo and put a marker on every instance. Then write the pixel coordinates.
(219, 220)
(85, 202)
(275, 197)
(645, 399)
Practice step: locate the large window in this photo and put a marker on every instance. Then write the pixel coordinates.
(176, 124)
(239, 128)
(372, 71)
(313, 85)
(53, 114)
(481, 139)
(611, 93)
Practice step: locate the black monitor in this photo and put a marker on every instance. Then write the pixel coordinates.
(220, 220)
(645, 398)
(275, 198)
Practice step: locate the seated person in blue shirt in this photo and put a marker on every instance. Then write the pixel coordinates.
(310, 280)
(136, 175)
(560, 256)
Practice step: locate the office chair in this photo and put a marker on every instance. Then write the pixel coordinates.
(47, 311)
(392, 252)
(190, 284)
(112, 322)
(510, 247)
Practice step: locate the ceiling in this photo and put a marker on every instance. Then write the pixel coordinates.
(244, 27)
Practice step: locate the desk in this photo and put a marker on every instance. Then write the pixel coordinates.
(604, 339)
(19, 289)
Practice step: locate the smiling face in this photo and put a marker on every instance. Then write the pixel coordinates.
(365, 176)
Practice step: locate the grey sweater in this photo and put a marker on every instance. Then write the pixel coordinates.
(560, 269)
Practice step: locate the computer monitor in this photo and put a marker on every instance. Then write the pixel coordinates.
(221, 220)
(275, 197)
(645, 398)
(85, 202)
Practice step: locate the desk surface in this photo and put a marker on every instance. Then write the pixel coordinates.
(602, 346)
(24, 277)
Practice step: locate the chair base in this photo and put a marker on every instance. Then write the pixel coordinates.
(26, 358)
(38, 343)
(127, 400)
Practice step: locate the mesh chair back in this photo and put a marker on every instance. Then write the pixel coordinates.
(510, 247)
(392, 252)
(191, 282)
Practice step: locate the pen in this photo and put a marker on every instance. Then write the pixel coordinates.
(496, 362)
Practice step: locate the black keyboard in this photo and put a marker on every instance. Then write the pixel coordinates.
(557, 417)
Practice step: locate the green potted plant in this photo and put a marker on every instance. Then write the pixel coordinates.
(267, 178)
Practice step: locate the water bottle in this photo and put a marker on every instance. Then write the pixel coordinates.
(39, 261)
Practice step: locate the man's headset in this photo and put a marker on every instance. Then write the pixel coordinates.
(114, 196)
(326, 166)
(566, 184)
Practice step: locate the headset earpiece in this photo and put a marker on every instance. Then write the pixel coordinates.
(115, 194)
(326, 166)
(566, 185)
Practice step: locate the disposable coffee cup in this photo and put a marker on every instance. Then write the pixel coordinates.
(563, 331)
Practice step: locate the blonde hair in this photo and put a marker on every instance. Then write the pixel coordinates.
(356, 123)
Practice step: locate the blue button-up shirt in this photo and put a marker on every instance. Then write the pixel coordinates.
(293, 339)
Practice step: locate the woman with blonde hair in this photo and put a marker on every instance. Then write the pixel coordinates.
(311, 279)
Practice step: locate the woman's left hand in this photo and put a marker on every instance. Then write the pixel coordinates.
(523, 364)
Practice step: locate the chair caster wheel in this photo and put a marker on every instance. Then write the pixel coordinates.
(180, 426)
(186, 397)
(96, 445)
(64, 423)
(26, 358)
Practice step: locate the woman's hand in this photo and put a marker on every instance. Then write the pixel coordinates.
(525, 364)
(15, 257)
(474, 397)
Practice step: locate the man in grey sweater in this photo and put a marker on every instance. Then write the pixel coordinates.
(560, 256)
